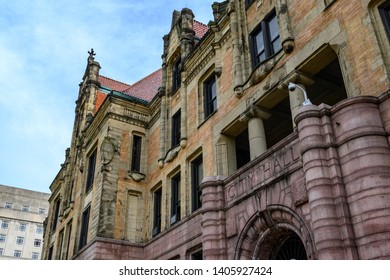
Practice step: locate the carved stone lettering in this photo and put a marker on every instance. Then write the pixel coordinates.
(269, 169)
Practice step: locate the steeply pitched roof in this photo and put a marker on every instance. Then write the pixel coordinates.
(112, 84)
(147, 88)
(200, 29)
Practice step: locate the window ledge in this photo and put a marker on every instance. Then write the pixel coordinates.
(208, 117)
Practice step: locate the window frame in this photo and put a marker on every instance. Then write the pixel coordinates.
(196, 203)
(3, 238)
(17, 254)
(35, 254)
(175, 198)
(4, 224)
(91, 170)
(25, 208)
(39, 230)
(57, 206)
(84, 227)
(157, 211)
(176, 75)
(384, 11)
(210, 96)
(263, 28)
(8, 205)
(136, 152)
(22, 227)
(19, 240)
(176, 129)
(42, 211)
(37, 242)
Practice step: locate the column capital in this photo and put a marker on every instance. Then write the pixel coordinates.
(254, 111)
(297, 77)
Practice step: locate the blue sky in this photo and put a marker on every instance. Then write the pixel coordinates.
(43, 55)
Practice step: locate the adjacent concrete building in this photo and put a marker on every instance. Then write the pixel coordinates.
(22, 214)
(265, 135)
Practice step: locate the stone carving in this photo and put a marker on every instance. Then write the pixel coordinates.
(107, 150)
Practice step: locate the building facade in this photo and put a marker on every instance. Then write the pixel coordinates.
(265, 135)
(22, 214)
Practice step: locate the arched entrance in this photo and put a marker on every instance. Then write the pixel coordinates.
(291, 248)
(276, 233)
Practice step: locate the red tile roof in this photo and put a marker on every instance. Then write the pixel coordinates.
(112, 84)
(147, 88)
(200, 29)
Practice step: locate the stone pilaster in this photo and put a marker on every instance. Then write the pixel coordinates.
(286, 34)
(237, 67)
(213, 219)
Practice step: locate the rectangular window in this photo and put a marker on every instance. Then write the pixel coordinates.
(175, 199)
(176, 129)
(35, 256)
(176, 75)
(39, 230)
(19, 240)
(8, 205)
(69, 233)
(4, 224)
(1, 251)
(196, 180)
(384, 11)
(37, 242)
(42, 211)
(50, 253)
(84, 228)
(210, 97)
(2, 238)
(265, 39)
(56, 213)
(136, 154)
(17, 254)
(25, 208)
(22, 227)
(157, 198)
(60, 245)
(91, 170)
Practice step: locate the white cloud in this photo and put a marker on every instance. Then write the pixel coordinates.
(43, 54)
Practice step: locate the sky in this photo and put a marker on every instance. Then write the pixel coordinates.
(44, 48)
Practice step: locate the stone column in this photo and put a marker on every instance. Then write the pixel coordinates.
(213, 219)
(361, 126)
(324, 217)
(257, 141)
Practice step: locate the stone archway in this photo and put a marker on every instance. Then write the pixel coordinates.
(275, 233)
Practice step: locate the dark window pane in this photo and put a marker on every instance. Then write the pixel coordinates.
(136, 154)
(175, 199)
(176, 126)
(91, 170)
(84, 228)
(157, 211)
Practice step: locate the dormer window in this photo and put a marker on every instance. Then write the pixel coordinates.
(176, 78)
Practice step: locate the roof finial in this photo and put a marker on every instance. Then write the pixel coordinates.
(91, 55)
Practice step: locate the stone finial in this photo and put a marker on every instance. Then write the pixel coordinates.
(92, 54)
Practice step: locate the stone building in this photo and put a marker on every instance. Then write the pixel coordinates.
(22, 214)
(265, 135)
